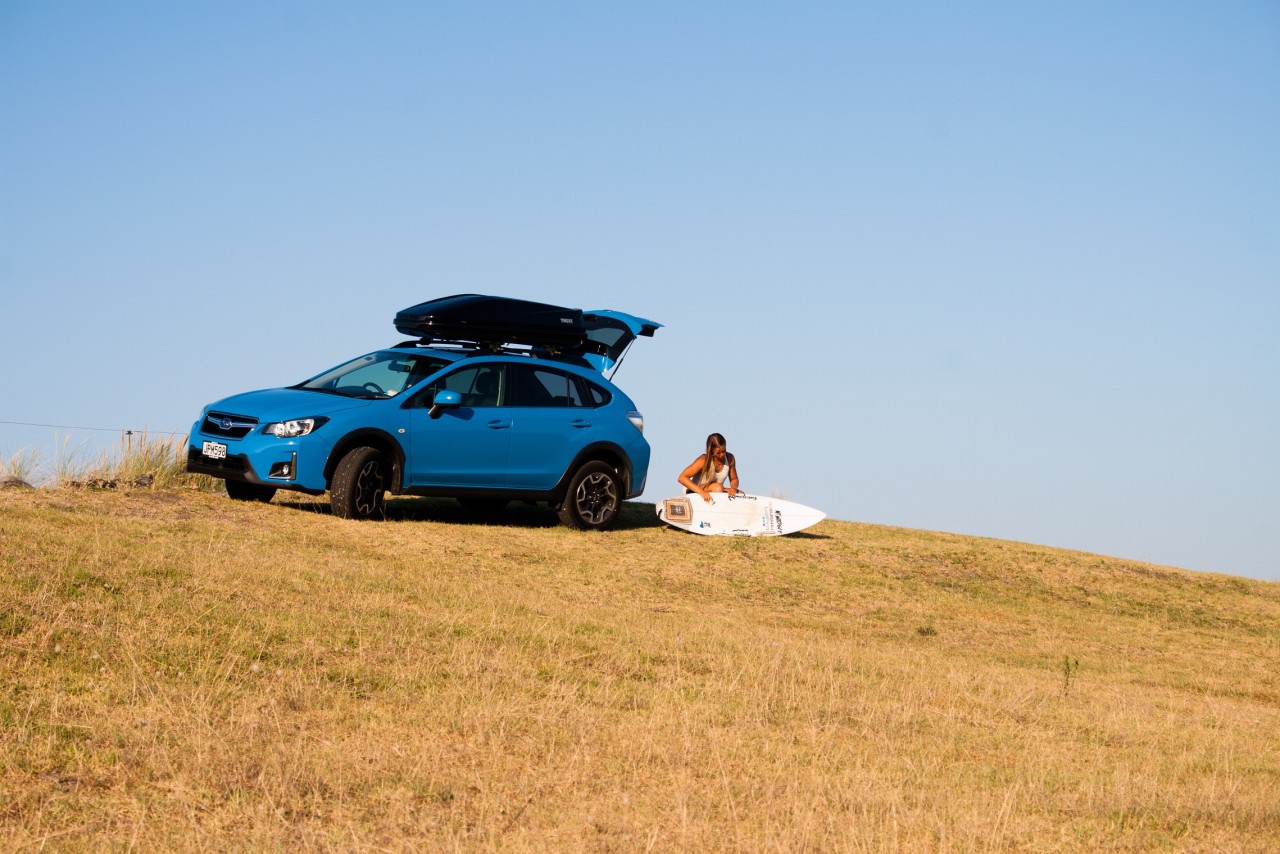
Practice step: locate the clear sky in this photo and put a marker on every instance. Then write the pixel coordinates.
(1006, 269)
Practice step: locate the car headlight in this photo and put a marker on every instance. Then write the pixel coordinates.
(293, 429)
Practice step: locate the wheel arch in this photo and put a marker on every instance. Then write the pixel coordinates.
(371, 437)
(605, 452)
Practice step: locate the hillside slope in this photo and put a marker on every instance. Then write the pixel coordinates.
(186, 672)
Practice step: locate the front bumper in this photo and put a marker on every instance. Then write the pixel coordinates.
(258, 459)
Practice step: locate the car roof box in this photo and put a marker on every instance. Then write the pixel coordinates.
(475, 318)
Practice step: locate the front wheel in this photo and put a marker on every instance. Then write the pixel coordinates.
(594, 498)
(359, 485)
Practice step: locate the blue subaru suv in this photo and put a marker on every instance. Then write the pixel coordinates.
(493, 399)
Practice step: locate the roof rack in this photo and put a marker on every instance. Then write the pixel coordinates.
(461, 344)
(493, 349)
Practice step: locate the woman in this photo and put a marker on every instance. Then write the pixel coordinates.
(714, 471)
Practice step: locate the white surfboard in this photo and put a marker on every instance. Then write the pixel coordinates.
(737, 515)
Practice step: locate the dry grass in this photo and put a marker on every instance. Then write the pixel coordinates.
(186, 672)
(139, 459)
(22, 464)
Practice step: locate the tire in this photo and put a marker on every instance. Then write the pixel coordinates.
(594, 498)
(358, 488)
(241, 491)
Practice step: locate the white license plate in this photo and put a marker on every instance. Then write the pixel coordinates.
(214, 450)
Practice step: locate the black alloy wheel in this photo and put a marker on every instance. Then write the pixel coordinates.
(594, 498)
(358, 489)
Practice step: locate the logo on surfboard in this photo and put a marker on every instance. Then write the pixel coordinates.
(677, 511)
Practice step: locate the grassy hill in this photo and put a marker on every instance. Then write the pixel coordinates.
(186, 672)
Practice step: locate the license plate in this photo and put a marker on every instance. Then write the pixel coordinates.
(214, 450)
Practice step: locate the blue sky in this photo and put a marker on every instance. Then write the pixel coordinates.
(1003, 269)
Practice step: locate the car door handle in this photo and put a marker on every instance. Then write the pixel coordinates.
(498, 424)
(579, 422)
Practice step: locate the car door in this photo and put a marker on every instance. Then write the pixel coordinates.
(466, 445)
(551, 422)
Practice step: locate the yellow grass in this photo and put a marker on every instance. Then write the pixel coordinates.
(186, 672)
(138, 460)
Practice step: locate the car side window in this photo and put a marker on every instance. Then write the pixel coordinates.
(417, 369)
(479, 385)
(573, 391)
(597, 395)
(534, 385)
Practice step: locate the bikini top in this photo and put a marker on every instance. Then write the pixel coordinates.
(721, 475)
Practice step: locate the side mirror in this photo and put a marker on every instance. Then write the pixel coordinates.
(444, 400)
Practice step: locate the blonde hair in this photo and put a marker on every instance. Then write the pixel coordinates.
(714, 441)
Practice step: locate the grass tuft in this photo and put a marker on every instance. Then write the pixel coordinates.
(23, 464)
(138, 461)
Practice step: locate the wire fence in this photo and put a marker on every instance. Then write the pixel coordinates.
(127, 431)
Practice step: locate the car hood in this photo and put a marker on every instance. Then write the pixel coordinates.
(283, 404)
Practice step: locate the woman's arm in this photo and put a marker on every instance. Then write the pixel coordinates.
(686, 477)
(733, 472)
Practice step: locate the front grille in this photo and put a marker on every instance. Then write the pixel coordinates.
(229, 426)
(198, 462)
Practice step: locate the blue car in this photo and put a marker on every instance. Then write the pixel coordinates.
(494, 399)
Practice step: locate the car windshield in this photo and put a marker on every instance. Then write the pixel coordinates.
(377, 375)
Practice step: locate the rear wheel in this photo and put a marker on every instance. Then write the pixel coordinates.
(594, 497)
(359, 485)
(241, 491)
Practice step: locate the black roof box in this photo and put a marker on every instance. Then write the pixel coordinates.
(475, 318)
